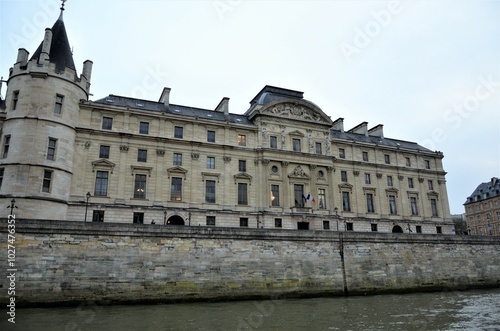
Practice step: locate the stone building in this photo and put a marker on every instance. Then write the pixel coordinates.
(482, 209)
(283, 163)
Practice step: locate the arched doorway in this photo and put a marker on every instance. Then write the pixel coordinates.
(397, 229)
(175, 220)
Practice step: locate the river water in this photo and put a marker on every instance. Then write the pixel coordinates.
(453, 310)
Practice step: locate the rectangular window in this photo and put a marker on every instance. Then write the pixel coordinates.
(176, 189)
(342, 153)
(275, 195)
(107, 123)
(319, 150)
(343, 176)
(326, 225)
(278, 223)
(369, 203)
(299, 195)
(346, 203)
(178, 132)
(144, 128)
(273, 142)
(418, 228)
(365, 156)
(15, 99)
(321, 198)
(296, 145)
(104, 152)
(387, 159)
(142, 155)
(101, 183)
(210, 162)
(6, 145)
(434, 208)
(242, 194)
(138, 218)
(2, 170)
(439, 229)
(389, 181)
(140, 186)
(51, 149)
(413, 204)
(392, 205)
(211, 136)
(178, 159)
(374, 227)
(430, 184)
(408, 161)
(242, 140)
(244, 222)
(368, 179)
(211, 220)
(59, 103)
(349, 226)
(47, 179)
(410, 183)
(242, 165)
(98, 216)
(210, 191)
(427, 164)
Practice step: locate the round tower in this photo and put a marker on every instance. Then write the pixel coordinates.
(38, 133)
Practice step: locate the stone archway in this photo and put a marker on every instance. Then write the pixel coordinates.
(397, 229)
(175, 220)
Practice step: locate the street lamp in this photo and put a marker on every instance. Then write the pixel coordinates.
(87, 206)
(12, 206)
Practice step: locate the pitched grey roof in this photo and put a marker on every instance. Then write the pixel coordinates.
(485, 191)
(381, 141)
(179, 110)
(60, 50)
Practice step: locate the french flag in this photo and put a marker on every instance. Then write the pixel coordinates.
(310, 198)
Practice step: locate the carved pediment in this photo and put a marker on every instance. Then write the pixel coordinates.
(345, 187)
(432, 195)
(103, 163)
(242, 176)
(391, 191)
(177, 170)
(298, 172)
(301, 110)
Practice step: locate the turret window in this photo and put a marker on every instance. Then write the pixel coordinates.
(2, 170)
(6, 144)
(59, 103)
(47, 180)
(15, 99)
(51, 150)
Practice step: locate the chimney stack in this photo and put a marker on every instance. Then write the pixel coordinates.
(47, 41)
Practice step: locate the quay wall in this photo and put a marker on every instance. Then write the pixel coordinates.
(66, 263)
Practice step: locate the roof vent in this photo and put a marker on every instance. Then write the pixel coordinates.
(140, 104)
(109, 100)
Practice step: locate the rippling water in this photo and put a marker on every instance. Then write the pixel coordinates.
(466, 310)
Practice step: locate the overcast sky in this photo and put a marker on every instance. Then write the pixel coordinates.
(429, 71)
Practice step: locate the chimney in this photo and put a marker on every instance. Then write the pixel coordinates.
(165, 96)
(338, 124)
(223, 106)
(87, 69)
(494, 181)
(47, 41)
(22, 56)
(361, 128)
(377, 131)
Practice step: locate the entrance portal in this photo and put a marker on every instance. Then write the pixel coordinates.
(302, 225)
(397, 229)
(175, 220)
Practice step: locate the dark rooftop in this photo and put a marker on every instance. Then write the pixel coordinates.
(485, 191)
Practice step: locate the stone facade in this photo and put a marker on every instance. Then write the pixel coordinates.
(482, 209)
(71, 262)
(281, 164)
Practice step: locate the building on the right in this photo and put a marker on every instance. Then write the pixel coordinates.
(482, 209)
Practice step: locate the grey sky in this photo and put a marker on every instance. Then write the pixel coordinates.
(428, 70)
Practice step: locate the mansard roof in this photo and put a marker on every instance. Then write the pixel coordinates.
(60, 51)
(380, 141)
(185, 111)
(485, 191)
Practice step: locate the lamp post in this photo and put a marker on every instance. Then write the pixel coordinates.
(87, 206)
(12, 206)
